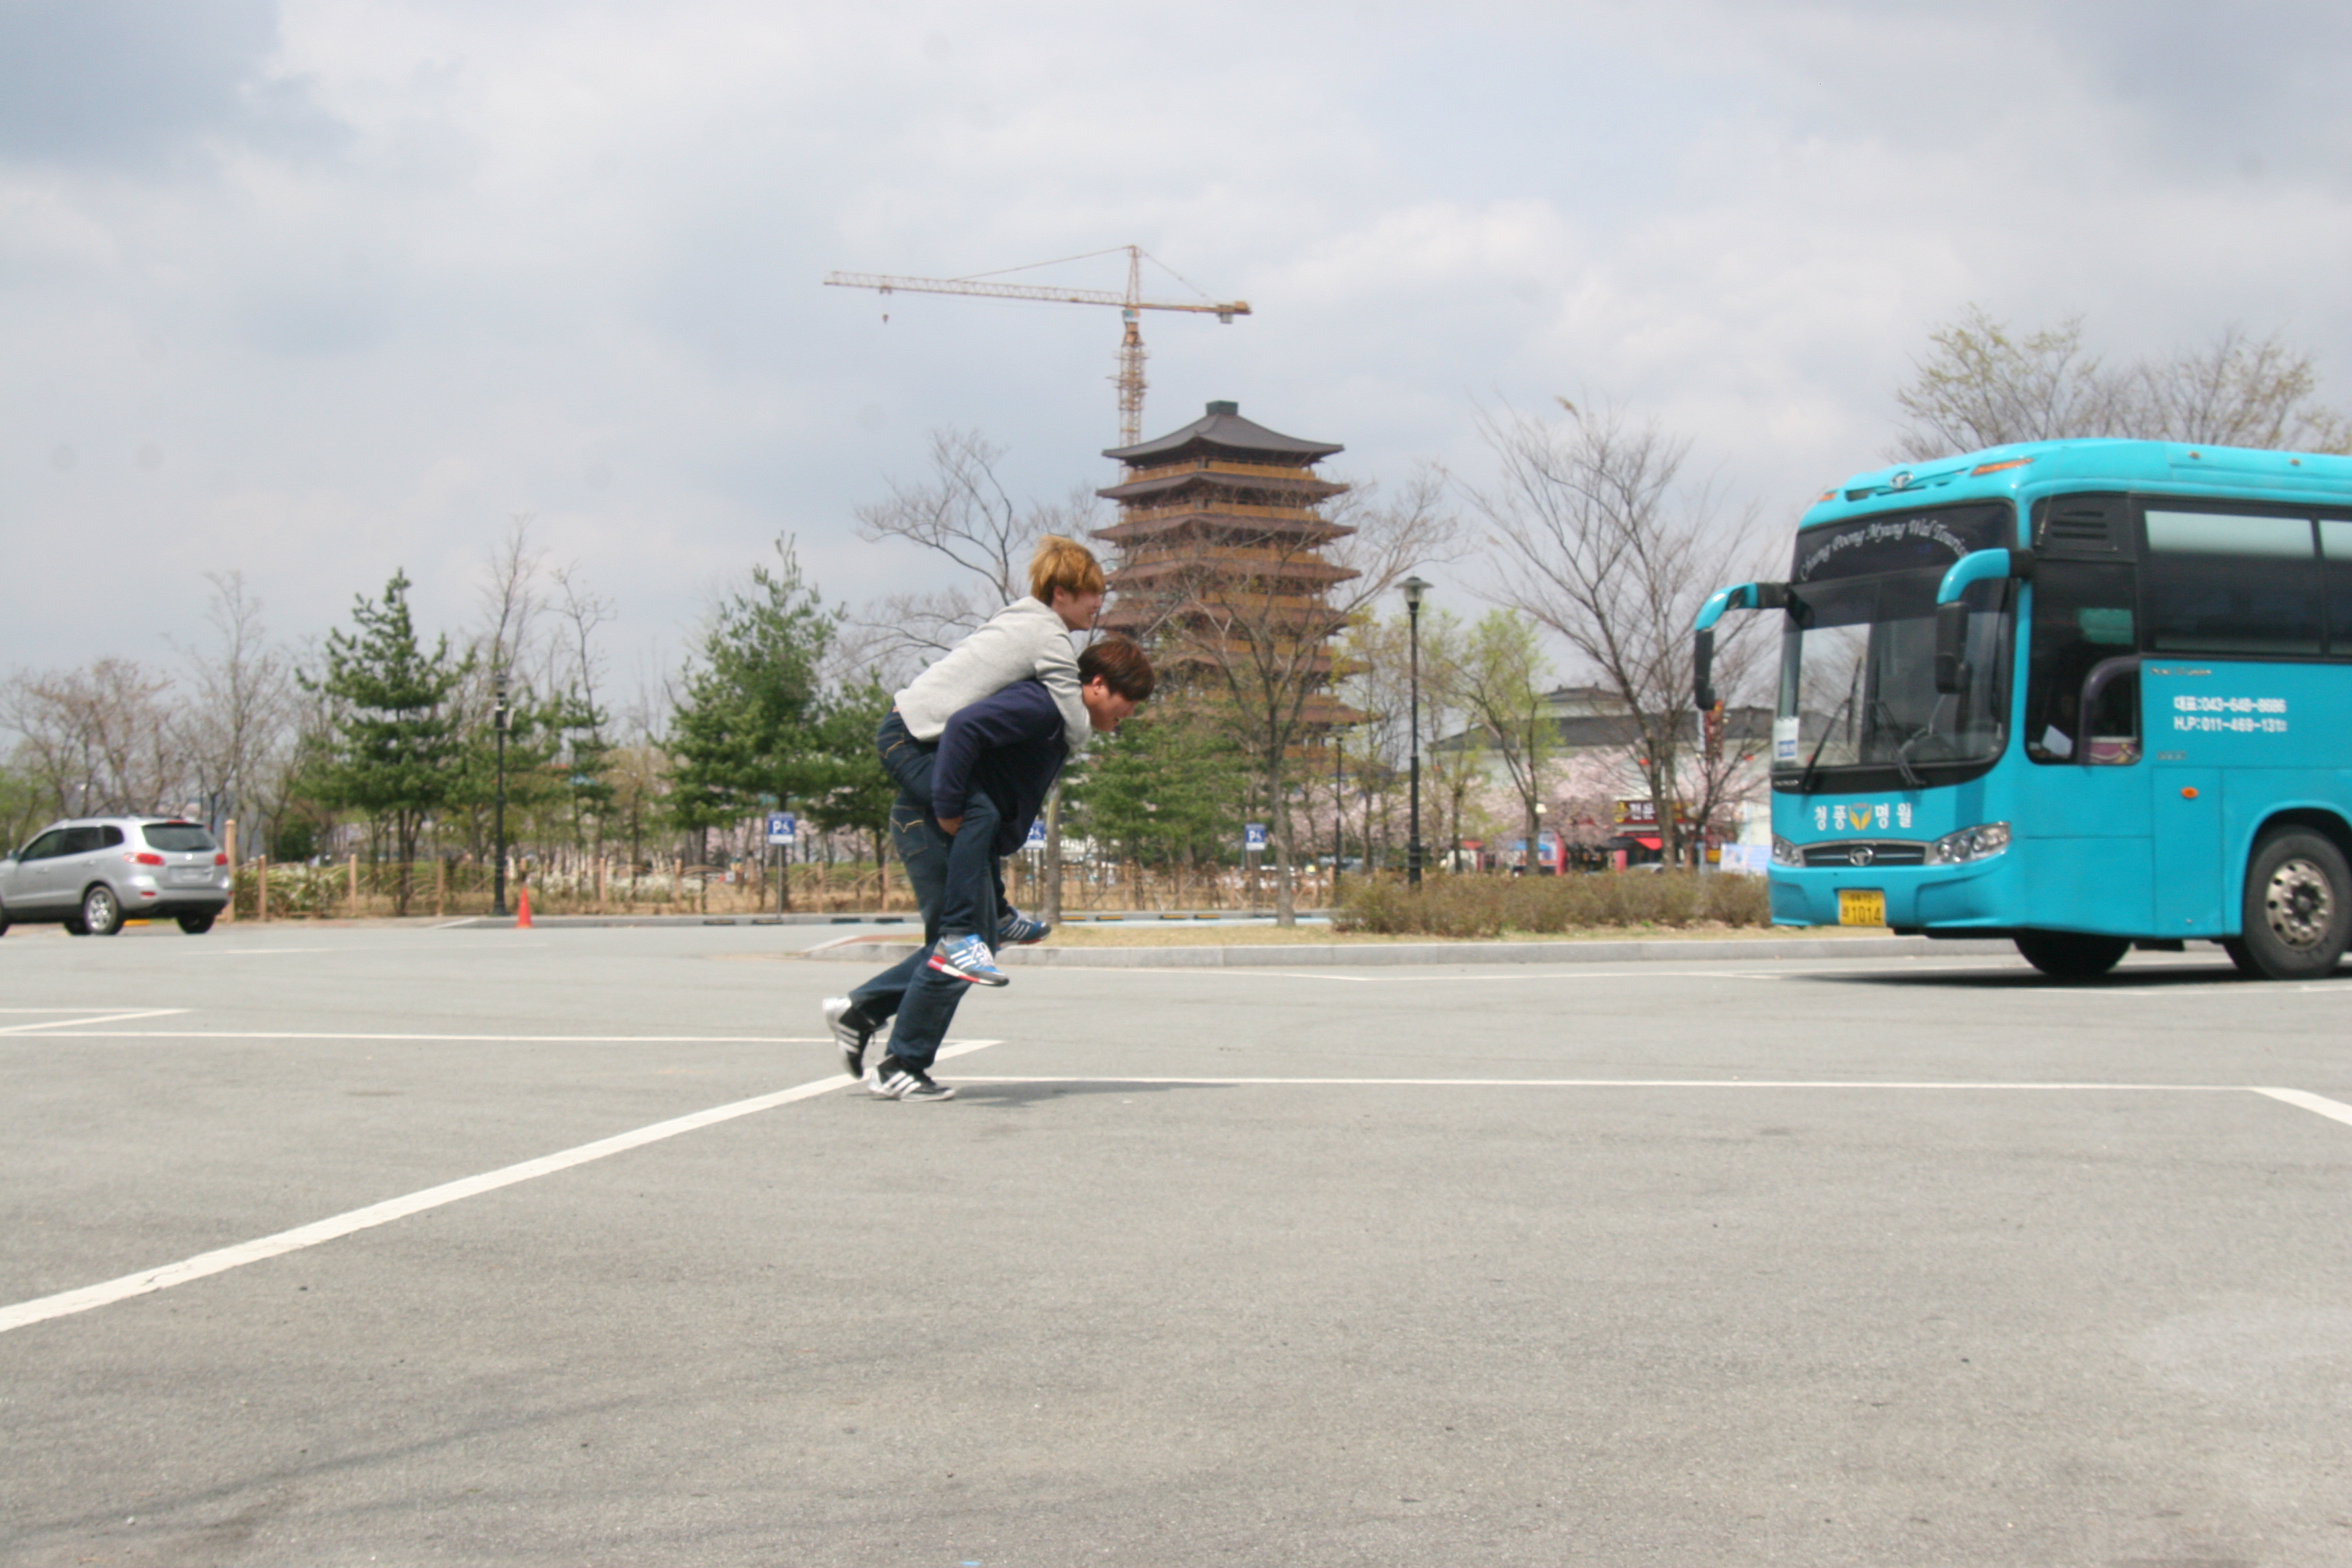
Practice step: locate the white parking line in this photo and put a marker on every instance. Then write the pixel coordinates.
(1425, 979)
(462, 1039)
(147, 1281)
(2333, 1110)
(1647, 1083)
(104, 1018)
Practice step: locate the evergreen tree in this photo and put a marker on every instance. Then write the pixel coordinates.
(395, 740)
(749, 727)
(846, 786)
(1169, 788)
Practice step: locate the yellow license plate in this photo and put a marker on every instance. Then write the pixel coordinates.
(1862, 907)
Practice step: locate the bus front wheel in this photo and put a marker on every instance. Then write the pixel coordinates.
(2069, 955)
(2298, 913)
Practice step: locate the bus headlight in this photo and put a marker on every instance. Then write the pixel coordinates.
(1969, 844)
(1785, 853)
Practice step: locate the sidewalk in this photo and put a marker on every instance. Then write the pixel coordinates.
(870, 951)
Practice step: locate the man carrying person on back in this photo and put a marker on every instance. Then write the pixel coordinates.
(997, 760)
(1029, 637)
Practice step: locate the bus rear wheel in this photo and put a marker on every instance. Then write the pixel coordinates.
(2298, 913)
(2069, 955)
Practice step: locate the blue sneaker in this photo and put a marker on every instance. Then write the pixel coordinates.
(1019, 931)
(968, 958)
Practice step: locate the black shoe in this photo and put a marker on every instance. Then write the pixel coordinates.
(850, 1032)
(891, 1078)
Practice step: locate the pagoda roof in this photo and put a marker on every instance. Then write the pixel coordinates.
(1305, 483)
(1223, 431)
(1208, 523)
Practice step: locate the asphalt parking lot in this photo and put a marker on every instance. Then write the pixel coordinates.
(561, 1246)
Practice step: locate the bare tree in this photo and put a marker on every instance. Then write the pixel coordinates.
(510, 598)
(2235, 392)
(99, 739)
(1984, 386)
(1605, 543)
(962, 510)
(1500, 675)
(240, 727)
(1376, 658)
(1262, 646)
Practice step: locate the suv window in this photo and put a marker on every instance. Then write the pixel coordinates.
(82, 840)
(53, 842)
(109, 836)
(183, 837)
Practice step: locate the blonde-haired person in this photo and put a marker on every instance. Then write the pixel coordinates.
(1029, 639)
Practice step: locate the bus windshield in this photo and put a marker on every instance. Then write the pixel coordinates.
(1858, 705)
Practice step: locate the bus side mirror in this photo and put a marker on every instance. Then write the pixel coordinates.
(1952, 648)
(1703, 671)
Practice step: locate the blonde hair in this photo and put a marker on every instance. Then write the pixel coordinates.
(1064, 564)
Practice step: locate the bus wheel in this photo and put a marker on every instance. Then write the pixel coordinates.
(2298, 910)
(2068, 955)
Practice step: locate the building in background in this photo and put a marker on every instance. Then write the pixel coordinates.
(1220, 544)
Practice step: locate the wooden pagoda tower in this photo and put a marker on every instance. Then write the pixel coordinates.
(1220, 541)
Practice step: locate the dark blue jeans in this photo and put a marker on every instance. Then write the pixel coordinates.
(922, 999)
(973, 902)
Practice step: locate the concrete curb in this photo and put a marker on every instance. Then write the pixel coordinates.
(558, 922)
(1369, 955)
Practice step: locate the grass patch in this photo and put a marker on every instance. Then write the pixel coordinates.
(1610, 902)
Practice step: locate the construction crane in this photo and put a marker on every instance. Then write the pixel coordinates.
(1130, 378)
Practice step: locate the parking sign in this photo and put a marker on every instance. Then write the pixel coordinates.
(781, 827)
(1253, 836)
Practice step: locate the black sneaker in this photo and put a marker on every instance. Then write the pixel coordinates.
(850, 1032)
(891, 1078)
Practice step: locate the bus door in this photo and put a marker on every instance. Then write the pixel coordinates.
(2185, 813)
(2084, 799)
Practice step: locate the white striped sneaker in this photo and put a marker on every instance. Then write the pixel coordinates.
(891, 1078)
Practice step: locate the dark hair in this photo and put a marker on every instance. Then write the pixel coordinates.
(1120, 665)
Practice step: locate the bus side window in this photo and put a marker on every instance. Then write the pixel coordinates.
(2219, 584)
(2336, 543)
(2081, 614)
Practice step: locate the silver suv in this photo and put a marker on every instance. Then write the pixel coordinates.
(89, 874)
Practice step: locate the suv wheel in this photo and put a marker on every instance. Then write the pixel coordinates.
(195, 925)
(2298, 910)
(101, 911)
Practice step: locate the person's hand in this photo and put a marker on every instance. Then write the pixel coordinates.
(952, 824)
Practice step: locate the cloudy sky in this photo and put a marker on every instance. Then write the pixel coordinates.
(318, 288)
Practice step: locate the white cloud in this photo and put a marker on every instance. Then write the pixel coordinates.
(373, 277)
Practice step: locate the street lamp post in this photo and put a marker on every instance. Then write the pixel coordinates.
(1338, 807)
(1414, 589)
(501, 717)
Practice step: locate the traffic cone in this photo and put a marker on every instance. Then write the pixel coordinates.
(522, 915)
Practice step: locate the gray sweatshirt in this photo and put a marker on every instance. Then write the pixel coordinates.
(1024, 639)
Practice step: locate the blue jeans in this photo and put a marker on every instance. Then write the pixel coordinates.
(922, 999)
(972, 903)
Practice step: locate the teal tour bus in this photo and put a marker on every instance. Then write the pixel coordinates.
(2083, 695)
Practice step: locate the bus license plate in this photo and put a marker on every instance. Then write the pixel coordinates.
(1862, 907)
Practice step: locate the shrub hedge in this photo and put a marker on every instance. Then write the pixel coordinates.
(1486, 906)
